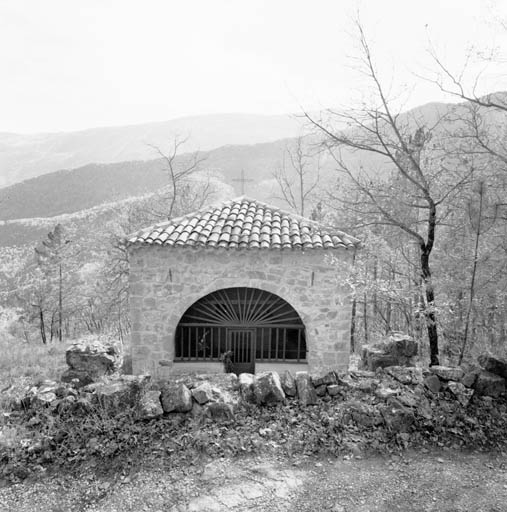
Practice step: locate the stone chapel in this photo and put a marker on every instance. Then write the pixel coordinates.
(244, 278)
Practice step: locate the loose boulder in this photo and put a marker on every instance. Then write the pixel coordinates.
(432, 382)
(462, 393)
(494, 365)
(448, 372)
(321, 390)
(470, 377)
(176, 398)
(288, 384)
(405, 374)
(246, 386)
(306, 392)
(268, 389)
(328, 380)
(119, 392)
(489, 384)
(93, 357)
(78, 378)
(333, 390)
(203, 393)
(150, 406)
(373, 358)
(400, 345)
(397, 350)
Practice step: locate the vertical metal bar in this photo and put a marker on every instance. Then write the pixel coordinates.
(276, 344)
(239, 313)
(188, 343)
(269, 343)
(246, 306)
(299, 343)
(284, 342)
(249, 305)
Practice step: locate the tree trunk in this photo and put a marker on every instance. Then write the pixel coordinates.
(60, 306)
(353, 327)
(472, 279)
(42, 327)
(431, 323)
(365, 318)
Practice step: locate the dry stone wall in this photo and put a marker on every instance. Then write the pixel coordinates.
(165, 282)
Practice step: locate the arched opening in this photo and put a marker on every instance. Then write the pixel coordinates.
(253, 324)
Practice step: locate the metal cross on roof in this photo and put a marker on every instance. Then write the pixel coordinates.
(243, 180)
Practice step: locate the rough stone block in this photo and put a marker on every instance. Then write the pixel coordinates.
(150, 406)
(493, 364)
(328, 379)
(305, 389)
(432, 382)
(176, 398)
(121, 392)
(489, 384)
(321, 390)
(462, 393)
(246, 386)
(202, 393)
(97, 356)
(78, 378)
(288, 384)
(470, 377)
(405, 374)
(268, 388)
(333, 390)
(374, 358)
(448, 372)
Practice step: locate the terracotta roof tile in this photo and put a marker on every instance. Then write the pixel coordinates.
(244, 223)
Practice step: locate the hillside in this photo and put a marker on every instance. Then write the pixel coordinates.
(26, 156)
(64, 192)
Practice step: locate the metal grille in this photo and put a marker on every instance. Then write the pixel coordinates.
(277, 332)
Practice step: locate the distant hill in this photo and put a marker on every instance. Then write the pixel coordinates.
(26, 156)
(73, 190)
(64, 192)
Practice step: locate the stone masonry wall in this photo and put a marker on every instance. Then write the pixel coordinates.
(165, 282)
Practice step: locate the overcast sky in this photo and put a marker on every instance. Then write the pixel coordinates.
(69, 64)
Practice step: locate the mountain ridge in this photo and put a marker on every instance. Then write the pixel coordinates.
(25, 156)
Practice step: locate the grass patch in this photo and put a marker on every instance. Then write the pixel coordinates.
(38, 362)
(23, 364)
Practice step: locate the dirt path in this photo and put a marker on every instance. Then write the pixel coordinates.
(447, 482)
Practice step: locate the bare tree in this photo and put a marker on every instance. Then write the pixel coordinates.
(421, 176)
(298, 175)
(178, 168)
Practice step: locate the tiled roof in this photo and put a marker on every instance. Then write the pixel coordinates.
(243, 223)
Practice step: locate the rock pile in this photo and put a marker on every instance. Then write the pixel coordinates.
(398, 393)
